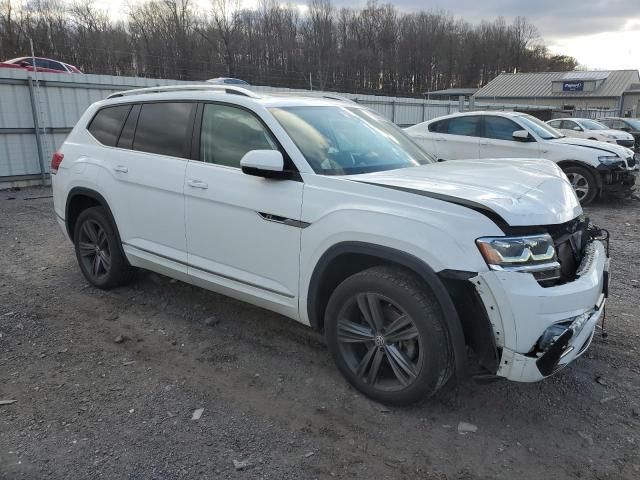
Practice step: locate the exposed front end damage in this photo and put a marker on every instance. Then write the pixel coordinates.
(540, 327)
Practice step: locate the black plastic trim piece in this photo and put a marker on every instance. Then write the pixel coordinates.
(269, 217)
(404, 259)
(547, 363)
(478, 207)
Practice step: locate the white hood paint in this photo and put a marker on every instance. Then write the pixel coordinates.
(608, 148)
(524, 192)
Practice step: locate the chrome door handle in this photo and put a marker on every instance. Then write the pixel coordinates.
(121, 168)
(197, 184)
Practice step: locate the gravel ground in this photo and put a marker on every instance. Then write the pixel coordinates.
(106, 384)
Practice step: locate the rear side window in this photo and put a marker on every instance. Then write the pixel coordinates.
(500, 128)
(465, 126)
(555, 124)
(229, 132)
(163, 127)
(107, 124)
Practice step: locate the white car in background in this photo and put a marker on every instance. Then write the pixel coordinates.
(591, 167)
(592, 130)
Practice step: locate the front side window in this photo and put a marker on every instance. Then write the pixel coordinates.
(500, 128)
(162, 128)
(228, 133)
(570, 125)
(107, 124)
(338, 140)
(466, 126)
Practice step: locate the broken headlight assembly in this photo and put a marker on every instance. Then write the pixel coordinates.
(534, 254)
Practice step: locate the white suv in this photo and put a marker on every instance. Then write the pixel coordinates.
(592, 167)
(321, 210)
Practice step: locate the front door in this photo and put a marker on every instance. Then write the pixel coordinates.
(498, 142)
(243, 231)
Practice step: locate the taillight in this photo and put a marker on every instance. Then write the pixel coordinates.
(56, 160)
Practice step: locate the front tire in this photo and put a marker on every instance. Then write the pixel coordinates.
(98, 250)
(387, 335)
(583, 183)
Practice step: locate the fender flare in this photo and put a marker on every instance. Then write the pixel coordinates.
(391, 255)
(87, 192)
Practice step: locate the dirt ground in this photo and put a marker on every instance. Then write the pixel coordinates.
(91, 405)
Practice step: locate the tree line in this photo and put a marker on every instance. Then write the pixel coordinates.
(376, 49)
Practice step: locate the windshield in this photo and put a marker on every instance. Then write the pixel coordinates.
(543, 130)
(591, 125)
(348, 141)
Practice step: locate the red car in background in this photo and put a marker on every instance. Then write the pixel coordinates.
(41, 65)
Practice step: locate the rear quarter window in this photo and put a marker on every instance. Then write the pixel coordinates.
(107, 124)
(162, 128)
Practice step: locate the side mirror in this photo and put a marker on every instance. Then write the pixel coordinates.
(264, 163)
(521, 136)
(577, 129)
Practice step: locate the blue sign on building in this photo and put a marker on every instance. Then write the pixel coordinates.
(576, 86)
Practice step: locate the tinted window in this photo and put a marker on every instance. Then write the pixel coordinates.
(555, 123)
(500, 128)
(107, 123)
(439, 126)
(162, 128)
(467, 126)
(229, 132)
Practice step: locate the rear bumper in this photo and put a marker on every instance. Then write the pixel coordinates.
(520, 311)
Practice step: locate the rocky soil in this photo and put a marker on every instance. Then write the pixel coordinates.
(161, 380)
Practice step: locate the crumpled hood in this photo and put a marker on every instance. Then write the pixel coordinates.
(607, 148)
(522, 192)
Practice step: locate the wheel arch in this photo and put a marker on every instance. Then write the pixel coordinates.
(347, 258)
(81, 198)
(576, 163)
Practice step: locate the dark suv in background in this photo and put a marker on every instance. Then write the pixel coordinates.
(630, 125)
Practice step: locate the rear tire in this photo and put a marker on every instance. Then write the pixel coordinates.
(387, 335)
(583, 183)
(98, 250)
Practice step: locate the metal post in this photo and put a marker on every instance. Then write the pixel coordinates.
(393, 111)
(36, 126)
(424, 112)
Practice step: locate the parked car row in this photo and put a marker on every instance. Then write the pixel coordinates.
(592, 167)
(592, 130)
(416, 271)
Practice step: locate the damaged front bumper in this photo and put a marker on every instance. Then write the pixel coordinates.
(539, 330)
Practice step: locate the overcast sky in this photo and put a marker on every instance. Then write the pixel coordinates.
(601, 34)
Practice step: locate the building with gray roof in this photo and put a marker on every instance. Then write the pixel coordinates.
(607, 90)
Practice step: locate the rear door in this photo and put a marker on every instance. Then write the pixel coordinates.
(498, 142)
(243, 231)
(148, 166)
(459, 138)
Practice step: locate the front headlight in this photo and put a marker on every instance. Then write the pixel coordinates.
(609, 159)
(530, 253)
